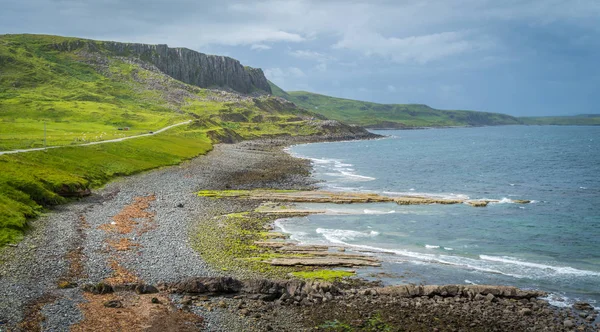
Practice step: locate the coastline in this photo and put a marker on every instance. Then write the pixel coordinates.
(164, 254)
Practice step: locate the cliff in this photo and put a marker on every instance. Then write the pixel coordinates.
(195, 68)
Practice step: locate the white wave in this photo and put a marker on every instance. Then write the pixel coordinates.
(448, 248)
(368, 211)
(554, 269)
(557, 300)
(467, 281)
(357, 176)
(338, 236)
(431, 247)
(431, 195)
(582, 187)
(504, 200)
(340, 164)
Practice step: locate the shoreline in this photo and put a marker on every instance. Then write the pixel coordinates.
(160, 251)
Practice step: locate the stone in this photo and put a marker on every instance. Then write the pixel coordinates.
(113, 304)
(583, 306)
(568, 324)
(489, 297)
(145, 289)
(199, 285)
(155, 300)
(525, 312)
(99, 288)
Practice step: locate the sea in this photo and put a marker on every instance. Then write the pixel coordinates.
(552, 243)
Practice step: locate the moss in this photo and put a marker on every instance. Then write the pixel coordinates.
(227, 242)
(239, 193)
(326, 275)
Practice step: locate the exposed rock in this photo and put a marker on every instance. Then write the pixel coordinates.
(145, 289)
(568, 324)
(113, 304)
(183, 64)
(478, 203)
(470, 291)
(583, 306)
(318, 196)
(99, 288)
(73, 191)
(322, 261)
(207, 285)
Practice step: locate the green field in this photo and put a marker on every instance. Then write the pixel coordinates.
(86, 95)
(373, 115)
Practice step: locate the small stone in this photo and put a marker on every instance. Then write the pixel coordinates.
(222, 304)
(180, 205)
(489, 297)
(113, 304)
(525, 312)
(155, 300)
(568, 323)
(244, 312)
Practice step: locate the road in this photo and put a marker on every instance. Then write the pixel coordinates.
(99, 142)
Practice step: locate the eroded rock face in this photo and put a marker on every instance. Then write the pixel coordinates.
(183, 64)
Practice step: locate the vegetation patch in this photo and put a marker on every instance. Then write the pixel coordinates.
(376, 115)
(229, 242)
(325, 275)
(64, 96)
(375, 323)
(240, 193)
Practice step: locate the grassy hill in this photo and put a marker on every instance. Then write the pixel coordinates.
(373, 115)
(576, 120)
(86, 94)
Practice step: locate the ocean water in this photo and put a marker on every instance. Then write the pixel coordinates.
(551, 244)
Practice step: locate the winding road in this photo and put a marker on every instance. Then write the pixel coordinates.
(99, 142)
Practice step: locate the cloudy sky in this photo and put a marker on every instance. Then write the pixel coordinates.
(536, 57)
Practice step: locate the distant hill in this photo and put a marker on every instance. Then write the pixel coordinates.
(575, 120)
(374, 115)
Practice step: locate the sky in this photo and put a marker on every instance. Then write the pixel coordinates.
(523, 58)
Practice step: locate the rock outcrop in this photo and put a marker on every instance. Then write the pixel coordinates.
(195, 68)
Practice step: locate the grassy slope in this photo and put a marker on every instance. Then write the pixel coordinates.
(389, 116)
(576, 120)
(85, 97)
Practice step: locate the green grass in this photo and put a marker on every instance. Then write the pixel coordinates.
(85, 95)
(32, 181)
(375, 115)
(325, 275)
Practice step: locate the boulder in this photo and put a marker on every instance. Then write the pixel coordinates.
(201, 285)
(145, 289)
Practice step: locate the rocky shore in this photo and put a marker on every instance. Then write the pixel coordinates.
(123, 259)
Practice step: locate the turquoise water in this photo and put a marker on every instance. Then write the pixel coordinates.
(551, 244)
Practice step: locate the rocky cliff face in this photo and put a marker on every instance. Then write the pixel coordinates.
(184, 64)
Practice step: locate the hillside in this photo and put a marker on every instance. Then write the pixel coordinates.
(575, 120)
(84, 91)
(373, 115)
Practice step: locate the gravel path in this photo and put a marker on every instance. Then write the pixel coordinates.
(70, 235)
(99, 142)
